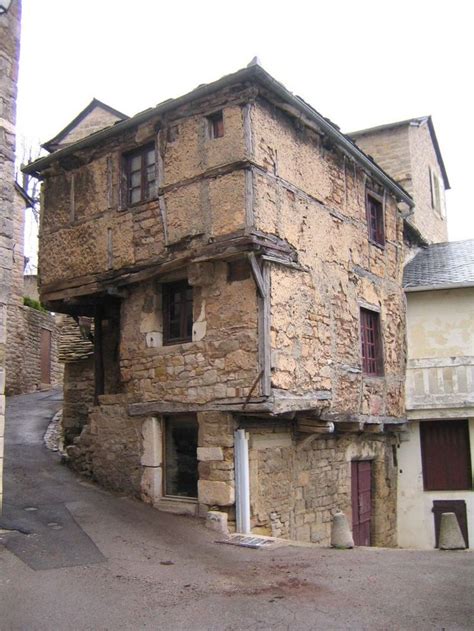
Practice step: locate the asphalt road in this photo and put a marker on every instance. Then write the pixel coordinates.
(79, 558)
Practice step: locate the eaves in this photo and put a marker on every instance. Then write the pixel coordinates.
(253, 73)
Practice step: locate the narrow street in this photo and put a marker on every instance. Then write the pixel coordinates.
(73, 556)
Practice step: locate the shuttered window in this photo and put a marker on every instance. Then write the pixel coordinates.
(371, 342)
(375, 221)
(445, 454)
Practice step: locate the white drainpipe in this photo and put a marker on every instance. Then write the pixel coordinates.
(242, 481)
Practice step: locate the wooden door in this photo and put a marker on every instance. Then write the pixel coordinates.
(45, 356)
(361, 483)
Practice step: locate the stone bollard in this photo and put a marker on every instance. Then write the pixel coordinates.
(450, 535)
(341, 536)
(217, 520)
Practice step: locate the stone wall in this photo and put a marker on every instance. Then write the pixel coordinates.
(317, 204)
(97, 119)
(16, 334)
(26, 363)
(9, 57)
(221, 362)
(406, 152)
(430, 222)
(86, 227)
(78, 396)
(109, 447)
(297, 486)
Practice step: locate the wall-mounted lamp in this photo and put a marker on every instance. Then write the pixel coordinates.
(4, 6)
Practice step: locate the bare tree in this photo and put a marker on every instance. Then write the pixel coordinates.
(28, 151)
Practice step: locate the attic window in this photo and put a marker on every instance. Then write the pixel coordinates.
(216, 125)
(140, 174)
(375, 223)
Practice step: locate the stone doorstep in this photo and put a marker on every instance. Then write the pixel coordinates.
(177, 506)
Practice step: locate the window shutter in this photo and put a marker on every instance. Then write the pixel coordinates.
(446, 455)
(110, 184)
(122, 188)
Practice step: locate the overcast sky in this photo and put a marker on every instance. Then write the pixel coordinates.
(359, 63)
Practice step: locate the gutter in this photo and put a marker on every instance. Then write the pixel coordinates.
(436, 287)
(342, 140)
(254, 72)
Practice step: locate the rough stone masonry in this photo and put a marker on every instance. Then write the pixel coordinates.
(260, 212)
(9, 56)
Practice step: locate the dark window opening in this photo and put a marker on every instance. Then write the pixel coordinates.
(140, 171)
(177, 312)
(238, 270)
(216, 125)
(181, 467)
(371, 341)
(375, 222)
(445, 455)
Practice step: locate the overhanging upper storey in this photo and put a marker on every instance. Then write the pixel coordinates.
(272, 89)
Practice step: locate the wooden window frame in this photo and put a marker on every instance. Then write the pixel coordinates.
(371, 343)
(148, 188)
(442, 481)
(169, 291)
(375, 218)
(216, 125)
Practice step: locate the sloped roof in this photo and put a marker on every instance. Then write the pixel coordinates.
(254, 73)
(409, 121)
(441, 266)
(51, 145)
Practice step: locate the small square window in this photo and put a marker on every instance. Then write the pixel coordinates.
(177, 313)
(216, 125)
(140, 175)
(374, 207)
(371, 341)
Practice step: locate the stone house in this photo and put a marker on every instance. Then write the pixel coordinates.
(10, 19)
(409, 151)
(242, 260)
(434, 454)
(31, 356)
(435, 458)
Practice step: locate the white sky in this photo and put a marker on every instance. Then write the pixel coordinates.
(359, 63)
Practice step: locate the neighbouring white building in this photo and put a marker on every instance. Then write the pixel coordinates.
(435, 456)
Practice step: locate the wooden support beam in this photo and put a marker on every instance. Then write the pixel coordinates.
(308, 426)
(257, 274)
(98, 354)
(349, 427)
(254, 405)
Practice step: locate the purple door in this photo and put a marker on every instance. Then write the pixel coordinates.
(45, 356)
(361, 483)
